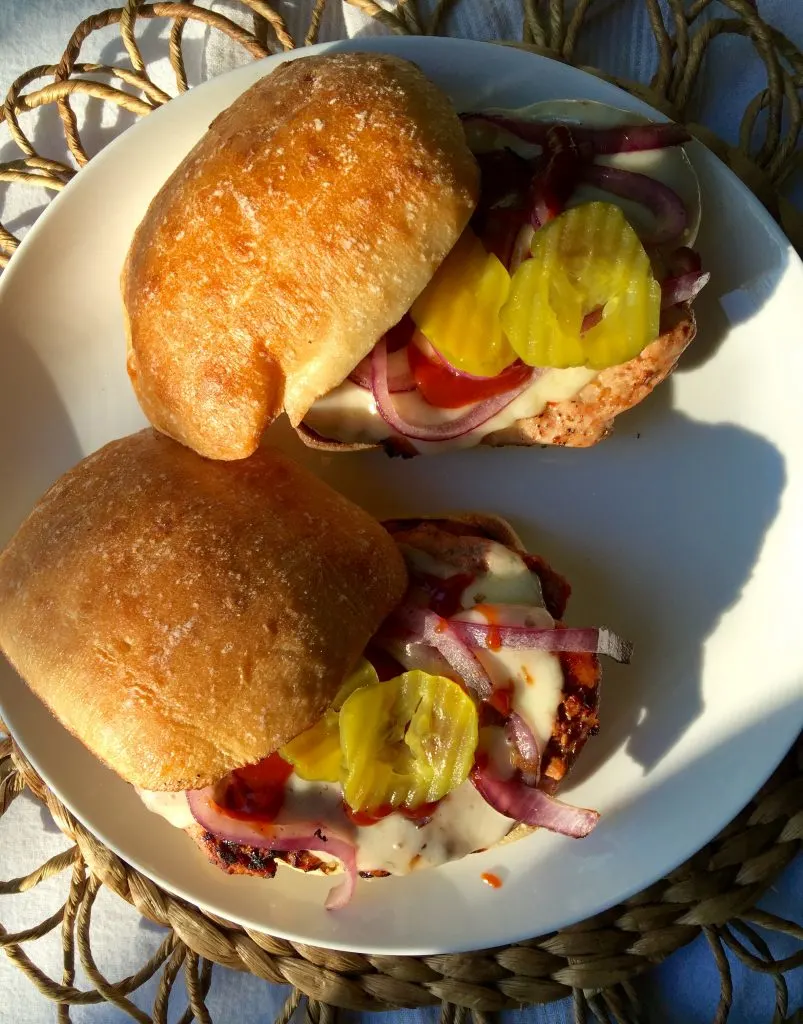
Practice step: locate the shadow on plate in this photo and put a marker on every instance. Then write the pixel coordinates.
(32, 409)
(659, 537)
(657, 529)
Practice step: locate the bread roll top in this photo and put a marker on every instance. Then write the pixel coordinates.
(185, 617)
(297, 231)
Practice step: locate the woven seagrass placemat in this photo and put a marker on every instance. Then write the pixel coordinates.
(715, 892)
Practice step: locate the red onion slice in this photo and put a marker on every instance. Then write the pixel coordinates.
(428, 627)
(684, 260)
(475, 417)
(604, 141)
(663, 202)
(553, 185)
(397, 382)
(415, 655)
(578, 641)
(633, 138)
(311, 836)
(527, 754)
(516, 800)
(684, 288)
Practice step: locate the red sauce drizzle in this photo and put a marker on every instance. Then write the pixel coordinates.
(443, 387)
(421, 812)
(364, 819)
(502, 700)
(494, 639)
(257, 792)
(491, 879)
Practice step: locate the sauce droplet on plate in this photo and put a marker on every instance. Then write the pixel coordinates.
(491, 879)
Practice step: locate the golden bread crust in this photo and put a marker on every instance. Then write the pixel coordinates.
(184, 617)
(297, 231)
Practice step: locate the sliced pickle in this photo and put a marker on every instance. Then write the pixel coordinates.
(363, 675)
(458, 311)
(406, 742)
(315, 753)
(587, 259)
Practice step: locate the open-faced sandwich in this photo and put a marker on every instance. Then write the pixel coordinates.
(342, 246)
(290, 681)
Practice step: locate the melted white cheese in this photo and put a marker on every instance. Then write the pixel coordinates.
(463, 822)
(506, 578)
(349, 413)
(537, 676)
(172, 806)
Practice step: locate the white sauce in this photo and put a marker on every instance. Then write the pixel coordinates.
(349, 413)
(463, 822)
(172, 806)
(507, 580)
(537, 676)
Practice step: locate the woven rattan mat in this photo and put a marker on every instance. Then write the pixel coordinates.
(715, 892)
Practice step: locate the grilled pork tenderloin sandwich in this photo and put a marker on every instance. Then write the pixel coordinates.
(313, 253)
(287, 680)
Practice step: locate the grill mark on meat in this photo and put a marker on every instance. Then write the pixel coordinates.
(240, 859)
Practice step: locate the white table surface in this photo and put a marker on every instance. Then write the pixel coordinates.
(684, 989)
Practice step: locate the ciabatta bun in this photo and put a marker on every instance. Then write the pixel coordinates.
(184, 617)
(298, 230)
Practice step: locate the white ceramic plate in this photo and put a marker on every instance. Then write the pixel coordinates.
(683, 532)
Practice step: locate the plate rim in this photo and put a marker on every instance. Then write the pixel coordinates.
(374, 44)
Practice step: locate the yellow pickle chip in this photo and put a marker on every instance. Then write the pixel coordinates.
(587, 259)
(406, 742)
(315, 753)
(458, 311)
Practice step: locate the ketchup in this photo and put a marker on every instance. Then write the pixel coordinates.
(441, 386)
(364, 819)
(491, 879)
(257, 791)
(421, 813)
(502, 700)
(491, 614)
